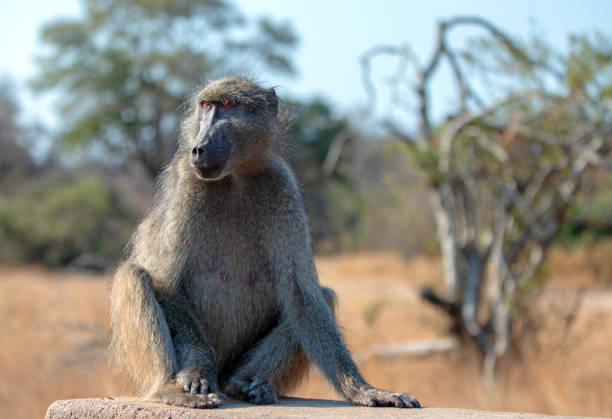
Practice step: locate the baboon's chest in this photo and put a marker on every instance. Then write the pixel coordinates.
(231, 285)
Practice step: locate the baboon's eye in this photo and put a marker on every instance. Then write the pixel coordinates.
(205, 104)
(225, 104)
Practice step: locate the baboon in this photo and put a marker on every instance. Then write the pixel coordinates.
(218, 293)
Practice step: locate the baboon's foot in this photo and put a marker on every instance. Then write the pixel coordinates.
(177, 397)
(377, 397)
(193, 380)
(255, 389)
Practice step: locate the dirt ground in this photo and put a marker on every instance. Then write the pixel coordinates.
(54, 332)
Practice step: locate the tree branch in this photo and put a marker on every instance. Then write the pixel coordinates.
(335, 151)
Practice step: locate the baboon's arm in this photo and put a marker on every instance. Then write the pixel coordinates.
(192, 346)
(301, 299)
(315, 327)
(313, 323)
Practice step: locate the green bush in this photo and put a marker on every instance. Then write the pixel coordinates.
(55, 219)
(590, 216)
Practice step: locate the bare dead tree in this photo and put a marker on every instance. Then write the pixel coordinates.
(504, 168)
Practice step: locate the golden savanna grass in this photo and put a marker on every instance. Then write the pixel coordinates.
(54, 332)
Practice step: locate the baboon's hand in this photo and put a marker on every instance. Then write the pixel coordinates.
(255, 389)
(376, 397)
(195, 380)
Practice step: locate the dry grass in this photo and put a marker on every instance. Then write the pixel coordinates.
(53, 333)
(567, 369)
(55, 326)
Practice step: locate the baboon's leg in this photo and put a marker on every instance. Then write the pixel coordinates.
(141, 342)
(275, 366)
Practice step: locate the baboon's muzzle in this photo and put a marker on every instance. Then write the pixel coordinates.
(209, 158)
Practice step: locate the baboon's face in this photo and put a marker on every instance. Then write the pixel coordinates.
(216, 139)
(229, 133)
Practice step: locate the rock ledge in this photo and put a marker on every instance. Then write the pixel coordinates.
(107, 408)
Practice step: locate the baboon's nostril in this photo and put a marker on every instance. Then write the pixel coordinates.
(197, 151)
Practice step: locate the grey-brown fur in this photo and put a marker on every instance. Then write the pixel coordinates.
(218, 291)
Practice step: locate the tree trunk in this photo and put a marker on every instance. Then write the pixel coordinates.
(446, 228)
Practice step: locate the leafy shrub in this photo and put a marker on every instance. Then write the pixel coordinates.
(54, 219)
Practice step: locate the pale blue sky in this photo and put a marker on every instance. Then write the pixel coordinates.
(333, 34)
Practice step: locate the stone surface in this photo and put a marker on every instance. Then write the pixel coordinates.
(106, 408)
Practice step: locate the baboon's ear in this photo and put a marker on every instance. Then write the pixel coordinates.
(272, 101)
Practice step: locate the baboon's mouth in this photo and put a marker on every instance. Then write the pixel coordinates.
(208, 172)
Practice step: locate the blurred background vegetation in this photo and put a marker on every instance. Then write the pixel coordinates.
(120, 83)
(120, 74)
